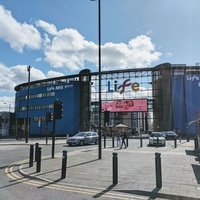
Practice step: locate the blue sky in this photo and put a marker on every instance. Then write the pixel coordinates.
(61, 37)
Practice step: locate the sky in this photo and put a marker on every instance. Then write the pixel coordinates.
(60, 37)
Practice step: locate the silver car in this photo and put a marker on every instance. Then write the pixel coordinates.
(156, 138)
(82, 138)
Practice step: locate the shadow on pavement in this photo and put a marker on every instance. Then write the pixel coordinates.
(154, 194)
(83, 163)
(104, 191)
(196, 169)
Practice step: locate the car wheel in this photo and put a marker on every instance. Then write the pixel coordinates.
(97, 142)
(81, 143)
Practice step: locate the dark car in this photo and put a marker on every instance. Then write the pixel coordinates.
(82, 138)
(169, 135)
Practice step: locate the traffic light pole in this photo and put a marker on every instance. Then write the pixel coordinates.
(46, 132)
(53, 138)
(57, 114)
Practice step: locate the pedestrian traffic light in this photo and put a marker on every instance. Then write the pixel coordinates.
(49, 116)
(58, 109)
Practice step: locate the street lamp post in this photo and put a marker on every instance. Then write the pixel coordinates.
(99, 49)
(28, 101)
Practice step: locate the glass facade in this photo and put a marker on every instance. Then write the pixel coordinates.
(171, 92)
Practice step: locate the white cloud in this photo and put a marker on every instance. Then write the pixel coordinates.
(7, 103)
(71, 50)
(19, 74)
(13, 76)
(49, 28)
(52, 74)
(149, 32)
(169, 54)
(68, 49)
(16, 34)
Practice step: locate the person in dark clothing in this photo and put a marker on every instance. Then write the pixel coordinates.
(124, 136)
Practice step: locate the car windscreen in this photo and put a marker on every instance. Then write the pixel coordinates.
(81, 134)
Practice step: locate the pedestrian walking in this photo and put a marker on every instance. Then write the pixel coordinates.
(118, 139)
(124, 136)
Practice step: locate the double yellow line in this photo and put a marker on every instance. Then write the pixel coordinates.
(10, 172)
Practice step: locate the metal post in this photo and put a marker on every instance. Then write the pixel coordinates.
(113, 141)
(99, 27)
(157, 142)
(31, 155)
(127, 141)
(46, 132)
(175, 143)
(36, 150)
(158, 170)
(64, 165)
(53, 136)
(99, 48)
(195, 142)
(28, 102)
(115, 168)
(140, 141)
(104, 137)
(38, 165)
(53, 146)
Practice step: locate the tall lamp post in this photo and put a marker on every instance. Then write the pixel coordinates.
(99, 48)
(28, 101)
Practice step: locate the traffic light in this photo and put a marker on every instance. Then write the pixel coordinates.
(49, 116)
(58, 109)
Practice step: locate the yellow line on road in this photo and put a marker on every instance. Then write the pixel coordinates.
(39, 183)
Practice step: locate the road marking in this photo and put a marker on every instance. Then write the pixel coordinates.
(10, 172)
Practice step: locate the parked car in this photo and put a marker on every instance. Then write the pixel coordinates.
(169, 135)
(82, 138)
(156, 138)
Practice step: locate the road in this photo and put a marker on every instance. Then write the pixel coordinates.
(22, 189)
(180, 167)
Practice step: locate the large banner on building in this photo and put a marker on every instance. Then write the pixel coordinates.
(125, 105)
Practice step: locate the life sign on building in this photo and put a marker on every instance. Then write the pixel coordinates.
(58, 87)
(194, 78)
(122, 88)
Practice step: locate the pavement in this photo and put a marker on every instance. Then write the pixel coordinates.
(180, 169)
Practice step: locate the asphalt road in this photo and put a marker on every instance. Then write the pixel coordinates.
(20, 189)
(13, 186)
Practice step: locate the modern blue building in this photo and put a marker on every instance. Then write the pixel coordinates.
(43, 94)
(172, 93)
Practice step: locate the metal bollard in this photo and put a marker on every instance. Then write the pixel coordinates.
(36, 149)
(175, 143)
(158, 170)
(195, 142)
(157, 142)
(38, 165)
(140, 141)
(115, 169)
(127, 141)
(188, 138)
(31, 155)
(113, 141)
(53, 146)
(64, 165)
(104, 138)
